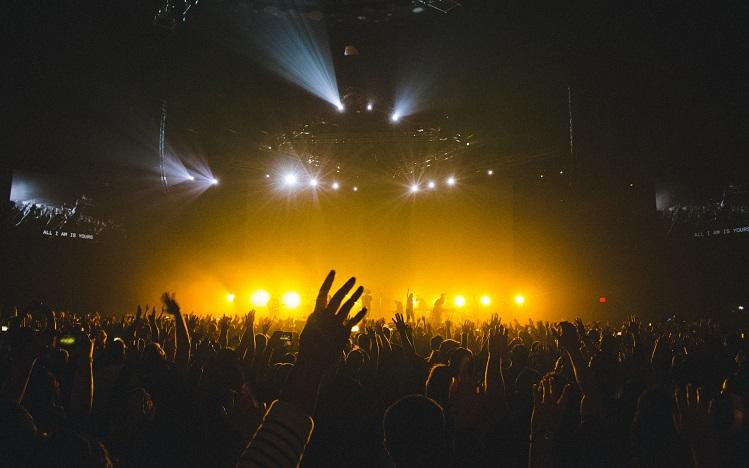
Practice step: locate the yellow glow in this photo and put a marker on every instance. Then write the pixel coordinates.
(292, 300)
(355, 328)
(230, 297)
(519, 299)
(260, 298)
(485, 300)
(460, 301)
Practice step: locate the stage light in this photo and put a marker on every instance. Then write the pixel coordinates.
(297, 49)
(561, 172)
(335, 186)
(190, 177)
(602, 300)
(291, 300)
(468, 143)
(313, 183)
(741, 307)
(370, 107)
(431, 184)
(414, 188)
(451, 181)
(214, 181)
(417, 10)
(290, 179)
(230, 297)
(490, 172)
(355, 328)
(485, 300)
(395, 116)
(459, 301)
(519, 299)
(356, 189)
(260, 298)
(340, 107)
(267, 176)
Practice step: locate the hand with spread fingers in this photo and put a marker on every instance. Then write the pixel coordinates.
(321, 342)
(328, 327)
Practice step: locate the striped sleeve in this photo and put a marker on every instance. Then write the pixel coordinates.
(280, 440)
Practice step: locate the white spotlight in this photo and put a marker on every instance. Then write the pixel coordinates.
(395, 116)
(313, 182)
(431, 184)
(214, 181)
(490, 172)
(414, 188)
(340, 107)
(370, 106)
(190, 177)
(356, 189)
(289, 179)
(335, 186)
(451, 181)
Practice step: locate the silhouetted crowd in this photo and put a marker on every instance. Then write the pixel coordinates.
(163, 388)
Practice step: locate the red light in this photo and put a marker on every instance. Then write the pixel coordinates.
(602, 299)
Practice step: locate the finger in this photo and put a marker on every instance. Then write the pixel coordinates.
(562, 401)
(356, 318)
(335, 301)
(322, 296)
(536, 392)
(348, 305)
(679, 399)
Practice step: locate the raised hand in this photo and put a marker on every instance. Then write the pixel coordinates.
(265, 326)
(224, 322)
(568, 338)
(328, 327)
(549, 402)
(249, 319)
(694, 415)
(169, 303)
(399, 322)
(497, 340)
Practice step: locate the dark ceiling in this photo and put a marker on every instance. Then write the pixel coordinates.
(657, 87)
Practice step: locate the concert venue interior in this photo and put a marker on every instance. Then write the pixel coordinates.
(545, 134)
(533, 160)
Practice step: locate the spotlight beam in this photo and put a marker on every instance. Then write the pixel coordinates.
(300, 53)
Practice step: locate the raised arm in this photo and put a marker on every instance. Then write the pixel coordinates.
(281, 439)
(569, 341)
(82, 391)
(182, 342)
(247, 344)
(402, 327)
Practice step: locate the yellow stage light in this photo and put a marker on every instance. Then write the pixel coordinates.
(260, 298)
(485, 300)
(230, 297)
(460, 301)
(291, 300)
(355, 328)
(519, 299)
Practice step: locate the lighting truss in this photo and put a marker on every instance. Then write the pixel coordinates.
(443, 6)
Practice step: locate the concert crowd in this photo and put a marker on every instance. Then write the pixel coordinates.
(160, 387)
